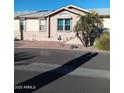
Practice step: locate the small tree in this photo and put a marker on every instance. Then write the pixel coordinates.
(88, 28)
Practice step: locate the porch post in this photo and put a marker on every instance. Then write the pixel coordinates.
(21, 28)
(48, 27)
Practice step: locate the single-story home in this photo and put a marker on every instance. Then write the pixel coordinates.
(50, 25)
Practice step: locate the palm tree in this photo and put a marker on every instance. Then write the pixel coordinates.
(88, 28)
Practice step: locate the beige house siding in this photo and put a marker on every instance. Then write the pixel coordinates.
(106, 22)
(67, 37)
(17, 29)
(33, 32)
(32, 25)
(64, 34)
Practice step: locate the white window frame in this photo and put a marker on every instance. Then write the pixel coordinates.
(44, 30)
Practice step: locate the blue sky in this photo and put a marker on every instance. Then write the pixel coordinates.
(29, 5)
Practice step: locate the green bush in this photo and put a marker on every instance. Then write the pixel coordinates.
(103, 42)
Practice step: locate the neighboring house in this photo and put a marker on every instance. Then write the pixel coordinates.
(49, 25)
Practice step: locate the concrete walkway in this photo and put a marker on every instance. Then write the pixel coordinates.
(52, 45)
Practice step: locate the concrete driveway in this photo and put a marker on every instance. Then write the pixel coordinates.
(61, 71)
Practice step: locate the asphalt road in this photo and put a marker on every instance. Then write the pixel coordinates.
(61, 71)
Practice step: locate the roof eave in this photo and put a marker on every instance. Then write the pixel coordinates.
(84, 10)
(17, 17)
(104, 16)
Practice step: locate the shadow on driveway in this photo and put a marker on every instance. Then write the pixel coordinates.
(21, 56)
(45, 78)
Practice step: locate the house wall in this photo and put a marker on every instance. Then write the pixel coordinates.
(32, 25)
(106, 22)
(66, 36)
(16, 28)
(32, 30)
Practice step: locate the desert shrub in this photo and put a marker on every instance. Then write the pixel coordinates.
(103, 42)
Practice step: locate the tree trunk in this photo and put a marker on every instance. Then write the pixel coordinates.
(77, 34)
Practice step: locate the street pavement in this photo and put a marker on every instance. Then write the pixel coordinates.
(61, 71)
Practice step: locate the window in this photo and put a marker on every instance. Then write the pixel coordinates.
(64, 24)
(67, 24)
(42, 25)
(60, 24)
